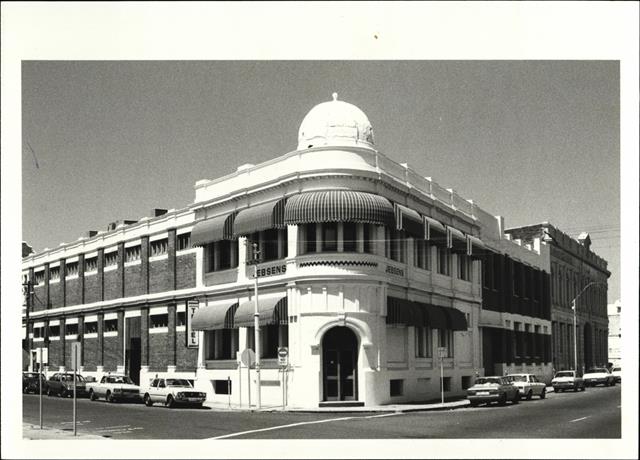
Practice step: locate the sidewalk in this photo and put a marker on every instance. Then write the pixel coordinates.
(30, 431)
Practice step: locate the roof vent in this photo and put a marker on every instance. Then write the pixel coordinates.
(156, 212)
(90, 233)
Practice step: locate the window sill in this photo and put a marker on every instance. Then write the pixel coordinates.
(91, 273)
(157, 258)
(221, 364)
(158, 330)
(91, 335)
(110, 268)
(71, 277)
(132, 263)
(110, 334)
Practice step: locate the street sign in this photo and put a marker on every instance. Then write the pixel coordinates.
(248, 357)
(442, 352)
(76, 355)
(192, 336)
(283, 356)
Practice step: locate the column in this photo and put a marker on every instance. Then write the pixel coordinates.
(379, 235)
(172, 242)
(47, 299)
(144, 339)
(81, 331)
(144, 263)
(100, 354)
(81, 281)
(340, 237)
(62, 341)
(292, 240)
(120, 366)
(360, 237)
(63, 282)
(318, 237)
(171, 337)
(100, 274)
(120, 270)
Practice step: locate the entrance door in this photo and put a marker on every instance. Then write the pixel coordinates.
(339, 364)
(133, 351)
(588, 347)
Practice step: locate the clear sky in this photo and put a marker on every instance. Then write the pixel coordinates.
(529, 140)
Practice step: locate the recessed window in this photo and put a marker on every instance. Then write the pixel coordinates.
(396, 387)
(221, 255)
(91, 264)
(423, 342)
(111, 325)
(54, 273)
(158, 248)
(54, 331)
(184, 241)
(368, 231)
(272, 244)
(446, 384)
(72, 269)
(350, 238)
(38, 332)
(445, 339)
(466, 381)
(444, 261)
(156, 321)
(71, 329)
(421, 249)
(310, 238)
(111, 259)
(395, 244)
(222, 387)
(221, 344)
(271, 338)
(91, 327)
(181, 318)
(38, 277)
(132, 254)
(330, 236)
(464, 267)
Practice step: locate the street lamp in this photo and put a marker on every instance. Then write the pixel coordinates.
(256, 322)
(575, 331)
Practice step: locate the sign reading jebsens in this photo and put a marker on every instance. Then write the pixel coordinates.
(192, 336)
(271, 270)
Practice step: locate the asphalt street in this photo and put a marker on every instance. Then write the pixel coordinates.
(594, 413)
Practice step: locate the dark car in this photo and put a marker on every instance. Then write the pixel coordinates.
(61, 384)
(30, 382)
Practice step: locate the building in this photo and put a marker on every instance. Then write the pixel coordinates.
(579, 276)
(615, 333)
(369, 274)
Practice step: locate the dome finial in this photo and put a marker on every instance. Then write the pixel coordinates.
(335, 96)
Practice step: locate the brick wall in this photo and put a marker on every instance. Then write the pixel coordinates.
(160, 354)
(92, 289)
(187, 358)
(39, 298)
(55, 295)
(67, 354)
(185, 271)
(90, 354)
(111, 356)
(74, 292)
(158, 276)
(55, 357)
(111, 285)
(133, 283)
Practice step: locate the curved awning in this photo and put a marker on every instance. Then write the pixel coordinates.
(339, 206)
(457, 319)
(213, 317)
(456, 240)
(418, 314)
(409, 220)
(260, 217)
(435, 231)
(213, 229)
(272, 308)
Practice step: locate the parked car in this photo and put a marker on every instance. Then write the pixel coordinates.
(173, 392)
(30, 382)
(114, 387)
(61, 384)
(617, 374)
(528, 385)
(493, 389)
(565, 380)
(599, 376)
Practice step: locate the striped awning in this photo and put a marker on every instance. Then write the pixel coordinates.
(272, 308)
(475, 247)
(409, 220)
(435, 231)
(457, 319)
(456, 240)
(419, 314)
(261, 217)
(339, 206)
(213, 229)
(214, 317)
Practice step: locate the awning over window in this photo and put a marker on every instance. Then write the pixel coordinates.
(273, 310)
(435, 231)
(339, 206)
(456, 240)
(457, 319)
(409, 220)
(402, 311)
(214, 317)
(261, 217)
(213, 229)
(475, 247)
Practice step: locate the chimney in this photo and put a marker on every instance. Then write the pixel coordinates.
(90, 233)
(112, 226)
(156, 212)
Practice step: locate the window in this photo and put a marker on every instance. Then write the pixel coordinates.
(221, 255)
(132, 254)
(330, 237)
(54, 273)
(54, 331)
(271, 338)
(395, 244)
(38, 332)
(181, 318)
(221, 344)
(445, 339)
(310, 238)
(272, 244)
(464, 267)
(156, 321)
(111, 325)
(110, 259)
(350, 238)
(423, 342)
(222, 387)
(421, 249)
(38, 277)
(466, 381)
(71, 329)
(91, 264)
(72, 269)
(446, 384)
(368, 232)
(396, 387)
(91, 327)
(159, 247)
(184, 241)
(444, 260)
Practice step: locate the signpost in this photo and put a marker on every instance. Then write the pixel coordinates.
(192, 336)
(442, 353)
(76, 349)
(283, 362)
(40, 376)
(248, 358)
(256, 323)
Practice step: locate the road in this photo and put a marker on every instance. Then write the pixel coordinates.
(594, 413)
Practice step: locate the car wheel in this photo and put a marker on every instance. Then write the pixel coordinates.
(474, 403)
(516, 398)
(49, 392)
(92, 395)
(109, 397)
(147, 400)
(170, 402)
(529, 395)
(503, 399)
(198, 406)
(543, 394)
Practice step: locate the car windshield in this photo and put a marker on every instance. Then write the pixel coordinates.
(178, 383)
(31, 374)
(596, 370)
(518, 378)
(564, 374)
(69, 378)
(119, 379)
(485, 380)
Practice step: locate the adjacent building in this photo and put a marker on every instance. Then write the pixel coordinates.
(370, 279)
(615, 333)
(578, 278)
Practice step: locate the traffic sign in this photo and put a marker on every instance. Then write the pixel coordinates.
(442, 352)
(76, 355)
(248, 357)
(283, 356)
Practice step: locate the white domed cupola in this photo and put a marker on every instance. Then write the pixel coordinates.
(335, 123)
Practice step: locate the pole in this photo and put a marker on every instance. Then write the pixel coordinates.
(249, 386)
(40, 374)
(240, 384)
(575, 337)
(229, 389)
(283, 370)
(75, 401)
(441, 379)
(256, 326)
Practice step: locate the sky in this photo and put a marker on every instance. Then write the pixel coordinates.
(529, 140)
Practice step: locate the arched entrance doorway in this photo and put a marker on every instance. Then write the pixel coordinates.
(340, 365)
(588, 347)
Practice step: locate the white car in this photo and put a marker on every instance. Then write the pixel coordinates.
(565, 380)
(617, 374)
(114, 387)
(172, 392)
(599, 375)
(529, 385)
